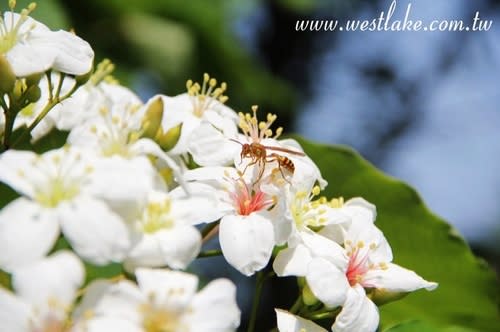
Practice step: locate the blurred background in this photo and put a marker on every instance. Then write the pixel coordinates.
(422, 106)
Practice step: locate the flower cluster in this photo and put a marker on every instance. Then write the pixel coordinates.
(134, 183)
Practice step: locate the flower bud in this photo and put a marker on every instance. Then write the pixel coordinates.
(381, 296)
(152, 119)
(169, 139)
(8, 78)
(18, 90)
(33, 94)
(34, 79)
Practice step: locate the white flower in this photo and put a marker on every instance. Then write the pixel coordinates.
(67, 190)
(338, 276)
(164, 226)
(206, 122)
(116, 131)
(84, 104)
(45, 291)
(162, 301)
(288, 322)
(332, 217)
(99, 92)
(30, 47)
(113, 130)
(250, 227)
(307, 211)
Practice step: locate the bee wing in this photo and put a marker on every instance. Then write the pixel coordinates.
(276, 148)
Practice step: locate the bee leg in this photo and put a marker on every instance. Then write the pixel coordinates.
(249, 164)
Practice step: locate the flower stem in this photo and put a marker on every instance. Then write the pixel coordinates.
(9, 123)
(297, 305)
(210, 253)
(209, 231)
(322, 314)
(256, 299)
(52, 102)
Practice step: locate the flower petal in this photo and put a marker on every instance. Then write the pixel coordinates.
(292, 261)
(176, 110)
(123, 183)
(288, 322)
(181, 247)
(223, 118)
(366, 232)
(14, 313)
(120, 300)
(106, 324)
(395, 278)
(58, 277)
(306, 171)
(359, 208)
(208, 207)
(358, 313)
(16, 171)
(27, 233)
(176, 247)
(214, 308)
(327, 282)
(320, 246)
(25, 60)
(246, 241)
(94, 231)
(172, 289)
(146, 146)
(71, 54)
(209, 147)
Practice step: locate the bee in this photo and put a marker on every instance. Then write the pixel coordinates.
(283, 163)
(258, 153)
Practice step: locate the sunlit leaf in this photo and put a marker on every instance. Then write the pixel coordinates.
(421, 241)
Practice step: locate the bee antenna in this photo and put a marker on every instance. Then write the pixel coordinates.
(236, 141)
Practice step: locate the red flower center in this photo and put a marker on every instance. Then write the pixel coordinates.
(358, 266)
(247, 200)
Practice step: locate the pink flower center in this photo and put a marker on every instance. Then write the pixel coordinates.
(51, 324)
(358, 266)
(247, 200)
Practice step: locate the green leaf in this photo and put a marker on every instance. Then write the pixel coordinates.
(301, 6)
(110, 271)
(467, 295)
(418, 326)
